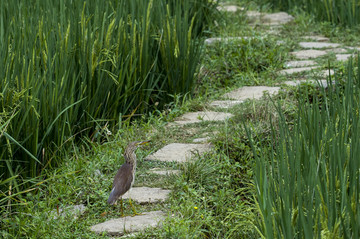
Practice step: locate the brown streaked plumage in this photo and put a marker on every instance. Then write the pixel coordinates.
(125, 177)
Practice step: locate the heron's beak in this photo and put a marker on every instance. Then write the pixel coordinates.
(144, 142)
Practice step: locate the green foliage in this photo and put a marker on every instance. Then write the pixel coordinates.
(308, 183)
(343, 12)
(243, 60)
(208, 202)
(70, 68)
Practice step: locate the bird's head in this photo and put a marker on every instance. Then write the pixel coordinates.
(130, 149)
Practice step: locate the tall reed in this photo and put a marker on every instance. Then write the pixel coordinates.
(70, 65)
(308, 185)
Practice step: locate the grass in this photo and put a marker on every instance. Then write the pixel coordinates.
(307, 183)
(73, 69)
(252, 60)
(215, 196)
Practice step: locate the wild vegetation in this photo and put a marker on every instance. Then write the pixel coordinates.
(73, 69)
(281, 168)
(307, 183)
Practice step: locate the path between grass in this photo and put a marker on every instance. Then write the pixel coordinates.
(303, 65)
(195, 179)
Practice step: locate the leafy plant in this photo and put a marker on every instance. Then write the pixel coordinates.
(307, 185)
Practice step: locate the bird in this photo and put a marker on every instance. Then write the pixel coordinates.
(125, 176)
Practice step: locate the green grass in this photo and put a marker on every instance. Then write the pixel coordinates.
(307, 184)
(74, 69)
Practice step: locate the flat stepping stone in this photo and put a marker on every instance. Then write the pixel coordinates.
(353, 48)
(240, 95)
(278, 18)
(337, 50)
(146, 195)
(72, 211)
(308, 54)
(323, 83)
(120, 226)
(326, 73)
(213, 40)
(343, 57)
(318, 45)
(253, 15)
(251, 92)
(225, 104)
(296, 70)
(163, 172)
(178, 152)
(316, 38)
(294, 64)
(201, 140)
(201, 116)
(230, 8)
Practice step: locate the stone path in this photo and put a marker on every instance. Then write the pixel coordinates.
(146, 195)
(311, 48)
(196, 117)
(120, 226)
(178, 152)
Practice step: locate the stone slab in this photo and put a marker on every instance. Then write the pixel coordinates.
(213, 40)
(343, 57)
(164, 172)
(230, 8)
(318, 45)
(251, 92)
(201, 140)
(178, 152)
(326, 73)
(308, 54)
(353, 48)
(337, 50)
(146, 195)
(296, 70)
(225, 104)
(316, 38)
(323, 83)
(120, 226)
(201, 116)
(253, 15)
(294, 64)
(72, 211)
(277, 18)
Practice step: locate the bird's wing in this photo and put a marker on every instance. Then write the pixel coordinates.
(122, 182)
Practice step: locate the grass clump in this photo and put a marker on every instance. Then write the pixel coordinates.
(251, 60)
(307, 184)
(72, 69)
(207, 202)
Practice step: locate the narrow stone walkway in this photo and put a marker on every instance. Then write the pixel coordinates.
(305, 62)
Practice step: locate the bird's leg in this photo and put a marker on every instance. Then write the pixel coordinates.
(122, 207)
(133, 208)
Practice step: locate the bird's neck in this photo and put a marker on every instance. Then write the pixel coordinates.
(130, 158)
